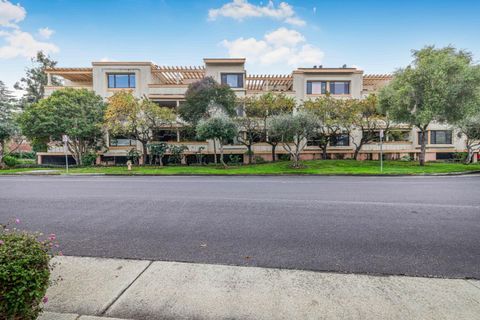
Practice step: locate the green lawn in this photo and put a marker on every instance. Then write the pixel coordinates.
(328, 167)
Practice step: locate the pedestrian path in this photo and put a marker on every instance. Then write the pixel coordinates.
(139, 289)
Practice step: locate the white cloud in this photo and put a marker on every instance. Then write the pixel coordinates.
(241, 9)
(17, 43)
(11, 14)
(107, 59)
(45, 33)
(23, 44)
(282, 46)
(284, 36)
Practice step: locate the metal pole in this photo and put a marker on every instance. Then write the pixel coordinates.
(66, 157)
(65, 150)
(381, 151)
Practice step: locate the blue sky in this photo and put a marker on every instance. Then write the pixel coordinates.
(276, 37)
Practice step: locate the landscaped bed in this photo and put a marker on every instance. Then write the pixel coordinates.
(316, 167)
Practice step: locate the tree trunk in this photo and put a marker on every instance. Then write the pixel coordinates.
(221, 156)
(215, 151)
(274, 146)
(250, 154)
(470, 154)
(324, 151)
(2, 151)
(144, 155)
(356, 153)
(423, 148)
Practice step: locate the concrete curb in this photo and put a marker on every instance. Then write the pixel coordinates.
(248, 175)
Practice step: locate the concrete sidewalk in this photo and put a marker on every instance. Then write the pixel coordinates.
(131, 289)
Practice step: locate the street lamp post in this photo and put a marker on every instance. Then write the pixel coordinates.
(381, 150)
(65, 150)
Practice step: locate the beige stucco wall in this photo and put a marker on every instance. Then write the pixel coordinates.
(143, 77)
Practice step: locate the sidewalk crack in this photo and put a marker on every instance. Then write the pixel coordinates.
(472, 283)
(104, 311)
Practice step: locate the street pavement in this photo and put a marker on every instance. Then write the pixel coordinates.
(132, 289)
(417, 226)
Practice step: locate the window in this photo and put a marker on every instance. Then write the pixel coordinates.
(340, 87)
(340, 140)
(316, 87)
(397, 135)
(374, 136)
(121, 80)
(165, 135)
(419, 138)
(233, 80)
(441, 137)
(121, 141)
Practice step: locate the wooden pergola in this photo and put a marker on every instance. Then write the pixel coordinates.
(72, 74)
(373, 82)
(269, 82)
(175, 75)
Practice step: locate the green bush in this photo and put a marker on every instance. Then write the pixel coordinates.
(10, 161)
(24, 273)
(24, 155)
(89, 159)
(259, 160)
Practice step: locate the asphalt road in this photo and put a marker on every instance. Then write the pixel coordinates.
(426, 226)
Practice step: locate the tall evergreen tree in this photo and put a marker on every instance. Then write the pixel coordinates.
(36, 79)
(7, 124)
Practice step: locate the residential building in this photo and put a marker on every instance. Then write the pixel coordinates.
(167, 86)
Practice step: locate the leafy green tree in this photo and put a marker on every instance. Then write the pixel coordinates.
(136, 118)
(294, 131)
(265, 107)
(219, 129)
(36, 79)
(249, 125)
(157, 151)
(7, 123)
(77, 113)
(364, 115)
(470, 128)
(133, 155)
(329, 112)
(176, 153)
(439, 85)
(206, 98)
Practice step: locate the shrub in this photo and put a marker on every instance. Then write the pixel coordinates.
(283, 157)
(259, 160)
(176, 153)
(24, 273)
(90, 159)
(235, 159)
(10, 161)
(24, 155)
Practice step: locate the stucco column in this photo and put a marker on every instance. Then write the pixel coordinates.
(49, 79)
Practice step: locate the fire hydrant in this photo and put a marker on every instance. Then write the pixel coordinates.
(129, 165)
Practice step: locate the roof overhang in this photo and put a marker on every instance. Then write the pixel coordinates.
(122, 64)
(328, 71)
(72, 74)
(224, 60)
